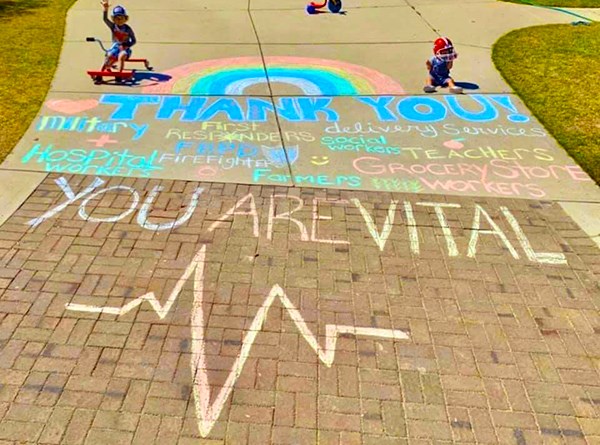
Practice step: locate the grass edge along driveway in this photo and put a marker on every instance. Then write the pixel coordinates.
(32, 35)
(554, 69)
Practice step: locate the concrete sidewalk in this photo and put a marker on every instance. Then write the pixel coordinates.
(277, 238)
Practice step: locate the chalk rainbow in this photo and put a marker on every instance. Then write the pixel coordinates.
(312, 76)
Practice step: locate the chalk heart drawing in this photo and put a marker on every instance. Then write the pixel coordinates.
(454, 144)
(207, 414)
(280, 156)
(312, 76)
(67, 106)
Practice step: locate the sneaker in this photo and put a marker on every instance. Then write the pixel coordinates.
(456, 90)
(429, 89)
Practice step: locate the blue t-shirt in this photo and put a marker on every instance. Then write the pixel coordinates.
(439, 69)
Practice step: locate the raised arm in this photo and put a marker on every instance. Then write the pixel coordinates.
(104, 4)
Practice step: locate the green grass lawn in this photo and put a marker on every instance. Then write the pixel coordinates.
(561, 3)
(555, 69)
(32, 32)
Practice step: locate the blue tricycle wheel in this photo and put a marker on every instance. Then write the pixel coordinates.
(334, 6)
(311, 9)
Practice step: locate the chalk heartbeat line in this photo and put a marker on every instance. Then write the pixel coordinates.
(207, 414)
(160, 310)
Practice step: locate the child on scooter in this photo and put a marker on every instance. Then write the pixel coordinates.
(123, 36)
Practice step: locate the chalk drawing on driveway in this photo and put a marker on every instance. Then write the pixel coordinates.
(207, 414)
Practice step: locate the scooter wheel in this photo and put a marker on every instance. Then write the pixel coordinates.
(311, 9)
(334, 6)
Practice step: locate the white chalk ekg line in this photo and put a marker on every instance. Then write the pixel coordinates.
(150, 297)
(207, 414)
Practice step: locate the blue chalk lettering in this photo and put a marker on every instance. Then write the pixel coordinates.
(257, 109)
(422, 109)
(70, 124)
(505, 102)
(488, 113)
(139, 130)
(78, 156)
(56, 156)
(223, 105)
(380, 104)
(171, 104)
(287, 108)
(182, 145)
(259, 173)
(226, 147)
(127, 104)
(310, 106)
(246, 151)
(35, 151)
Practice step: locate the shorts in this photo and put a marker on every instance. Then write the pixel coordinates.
(114, 51)
(438, 81)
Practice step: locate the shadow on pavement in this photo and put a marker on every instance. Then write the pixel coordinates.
(467, 85)
(151, 77)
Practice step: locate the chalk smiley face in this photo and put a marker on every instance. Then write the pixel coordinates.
(319, 160)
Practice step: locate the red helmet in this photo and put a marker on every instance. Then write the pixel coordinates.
(443, 48)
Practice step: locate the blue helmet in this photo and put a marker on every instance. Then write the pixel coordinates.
(119, 10)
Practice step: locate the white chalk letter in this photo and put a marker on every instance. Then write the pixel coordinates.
(142, 217)
(85, 216)
(475, 231)
(232, 211)
(380, 239)
(315, 218)
(71, 198)
(411, 224)
(542, 257)
(452, 250)
(286, 215)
